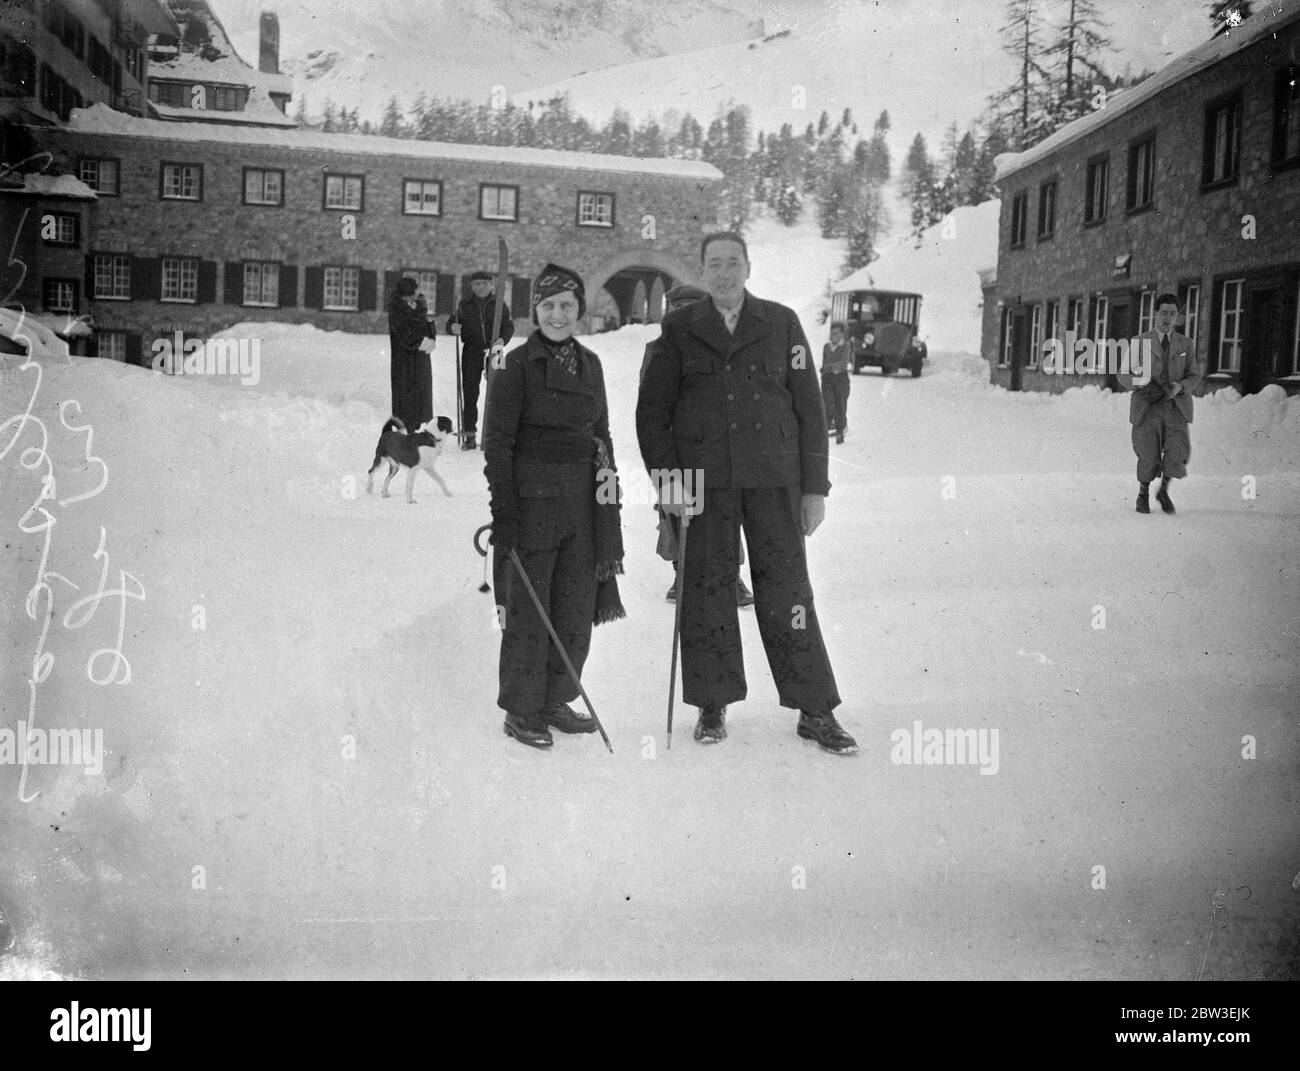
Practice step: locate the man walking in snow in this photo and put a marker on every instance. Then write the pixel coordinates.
(731, 391)
(472, 321)
(837, 355)
(1161, 411)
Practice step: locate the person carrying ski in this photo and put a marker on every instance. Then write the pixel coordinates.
(472, 321)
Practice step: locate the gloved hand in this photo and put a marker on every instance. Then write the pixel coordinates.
(454, 328)
(1153, 392)
(505, 532)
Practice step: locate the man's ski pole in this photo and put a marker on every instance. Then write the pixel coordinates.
(519, 567)
(677, 619)
(460, 401)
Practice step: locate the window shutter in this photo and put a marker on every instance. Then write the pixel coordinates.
(465, 290)
(76, 229)
(445, 296)
(288, 286)
(145, 282)
(520, 290)
(135, 349)
(314, 288)
(90, 276)
(207, 288)
(234, 282)
(367, 292)
(390, 285)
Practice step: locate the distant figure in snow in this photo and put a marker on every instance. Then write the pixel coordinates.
(409, 324)
(472, 321)
(837, 356)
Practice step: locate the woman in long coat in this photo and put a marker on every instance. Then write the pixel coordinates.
(548, 451)
(411, 373)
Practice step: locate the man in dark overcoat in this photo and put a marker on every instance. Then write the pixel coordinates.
(410, 372)
(472, 321)
(731, 393)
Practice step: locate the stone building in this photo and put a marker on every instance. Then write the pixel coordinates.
(197, 226)
(1188, 183)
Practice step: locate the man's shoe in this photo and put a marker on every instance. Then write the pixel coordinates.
(826, 731)
(744, 597)
(528, 729)
(563, 717)
(712, 726)
(672, 592)
(1166, 503)
(1144, 503)
(470, 442)
(839, 438)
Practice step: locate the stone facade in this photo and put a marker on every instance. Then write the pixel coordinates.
(658, 217)
(1232, 244)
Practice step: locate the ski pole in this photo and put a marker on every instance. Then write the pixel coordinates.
(460, 402)
(677, 620)
(519, 567)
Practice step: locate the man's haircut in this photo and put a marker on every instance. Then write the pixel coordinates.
(1167, 299)
(723, 236)
(837, 326)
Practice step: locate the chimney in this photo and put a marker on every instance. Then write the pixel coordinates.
(268, 59)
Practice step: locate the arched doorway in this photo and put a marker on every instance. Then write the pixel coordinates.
(630, 286)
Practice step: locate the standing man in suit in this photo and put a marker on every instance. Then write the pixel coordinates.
(731, 391)
(1161, 411)
(472, 321)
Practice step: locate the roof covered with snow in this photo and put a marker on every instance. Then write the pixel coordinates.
(53, 186)
(1268, 18)
(100, 119)
(226, 68)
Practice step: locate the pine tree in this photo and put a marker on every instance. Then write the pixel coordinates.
(1019, 108)
(1078, 48)
(329, 118)
(391, 124)
(918, 182)
(963, 170)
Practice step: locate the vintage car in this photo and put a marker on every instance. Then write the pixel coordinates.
(881, 325)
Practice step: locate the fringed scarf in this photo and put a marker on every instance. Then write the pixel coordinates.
(609, 541)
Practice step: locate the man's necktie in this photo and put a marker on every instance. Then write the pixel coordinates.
(731, 319)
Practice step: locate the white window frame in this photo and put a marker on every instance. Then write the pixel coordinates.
(262, 174)
(1035, 335)
(178, 178)
(426, 282)
(1052, 322)
(595, 209)
(344, 186)
(421, 188)
(1144, 161)
(1234, 339)
(117, 343)
(1146, 311)
(1099, 318)
(345, 280)
(1076, 317)
(91, 172)
(180, 276)
(112, 277)
(498, 213)
(1004, 344)
(261, 276)
(68, 290)
(1227, 136)
(1098, 193)
(1192, 313)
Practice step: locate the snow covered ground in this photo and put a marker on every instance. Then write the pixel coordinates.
(306, 776)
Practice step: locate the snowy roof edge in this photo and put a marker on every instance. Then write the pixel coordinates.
(100, 119)
(1178, 69)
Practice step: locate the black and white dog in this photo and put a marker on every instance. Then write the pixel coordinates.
(409, 451)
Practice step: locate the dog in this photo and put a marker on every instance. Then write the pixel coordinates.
(409, 451)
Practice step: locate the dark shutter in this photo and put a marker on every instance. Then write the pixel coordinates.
(207, 289)
(520, 289)
(135, 349)
(445, 296)
(76, 229)
(90, 276)
(465, 291)
(77, 306)
(145, 282)
(390, 285)
(234, 282)
(367, 292)
(288, 285)
(314, 283)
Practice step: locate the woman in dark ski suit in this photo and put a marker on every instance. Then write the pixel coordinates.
(548, 451)
(412, 376)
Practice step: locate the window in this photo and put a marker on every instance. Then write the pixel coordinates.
(182, 182)
(173, 94)
(1230, 326)
(111, 344)
(180, 279)
(1019, 215)
(64, 231)
(595, 209)
(263, 187)
(1098, 192)
(60, 295)
(342, 289)
(225, 99)
(498, 202)
(1286, 116)
(261, 283)
(426, 283)
(1076, 323)
(1192, 315)
(112, 277)
(1052, 322)
(57, 96)
(133, 61)
(344, 192)
(1141, 173)
(1004, 348)
(1047, 209)
(1100, 311)
(421, 198)
(1222, 142)
(1035, 335)
(1146, 311)
(100, 175)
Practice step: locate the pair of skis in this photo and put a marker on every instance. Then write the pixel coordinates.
(503, 275)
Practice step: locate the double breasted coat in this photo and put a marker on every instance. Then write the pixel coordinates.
(411, 374)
